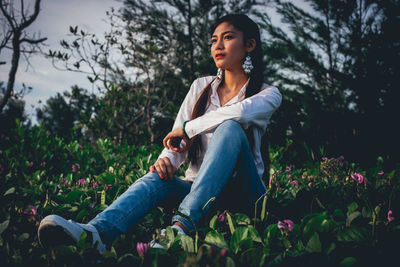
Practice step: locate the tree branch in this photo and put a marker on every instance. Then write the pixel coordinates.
(30, 41)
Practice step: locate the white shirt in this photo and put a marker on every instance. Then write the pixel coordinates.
(252, 111)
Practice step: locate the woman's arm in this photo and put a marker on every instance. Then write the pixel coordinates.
(255, 110)
(184, 114)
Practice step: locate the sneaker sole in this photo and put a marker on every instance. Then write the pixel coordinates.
(51, 235)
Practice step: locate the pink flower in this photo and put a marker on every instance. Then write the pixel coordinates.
(43, 163)
(1, 168)
(82, 181)
(80, 146)
(96, 184)
(32, 211)
(324, 159)
(141, 249)
(75, 167)
(294, 182)
(381, 173)
(223, 252)
(221, 217)
(389, 216)
(288, 169)
(358, 178)
(30, 164)
(286, 225)
(310, 184)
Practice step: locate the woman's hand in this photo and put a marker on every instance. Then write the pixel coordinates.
(173, 141)
(164, 168)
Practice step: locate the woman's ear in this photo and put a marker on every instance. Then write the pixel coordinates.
(250, 45)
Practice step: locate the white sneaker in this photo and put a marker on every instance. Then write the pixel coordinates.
(55, 230)
(154, 244)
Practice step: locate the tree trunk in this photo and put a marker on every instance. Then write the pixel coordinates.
(13, 71)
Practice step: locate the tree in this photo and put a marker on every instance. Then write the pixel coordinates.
(17, 39)
(326, 67)
(64, 115)
(161, 46)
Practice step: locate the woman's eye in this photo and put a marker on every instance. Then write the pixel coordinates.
(228, 37)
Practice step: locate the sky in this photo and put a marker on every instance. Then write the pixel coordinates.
(53, 22)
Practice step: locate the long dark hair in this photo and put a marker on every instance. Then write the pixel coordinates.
(250, 30)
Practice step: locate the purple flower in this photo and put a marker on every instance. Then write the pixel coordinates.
(324, 159)
(286, 225)
(294, 182)
(95, 184)
(288, 169)
(32, 211)
(358, 178)
(142, 249)
(381, 173)
(389, 216)
(82, 181)
(221, 217)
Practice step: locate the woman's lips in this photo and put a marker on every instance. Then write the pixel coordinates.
(219, 56)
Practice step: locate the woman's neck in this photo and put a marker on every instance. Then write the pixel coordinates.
(234, 80)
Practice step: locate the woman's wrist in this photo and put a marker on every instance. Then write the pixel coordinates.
(184, 131)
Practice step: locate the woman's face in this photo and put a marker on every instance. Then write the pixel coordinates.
(227, 47)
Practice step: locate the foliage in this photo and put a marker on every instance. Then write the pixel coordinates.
(337, 64)
(329, 212)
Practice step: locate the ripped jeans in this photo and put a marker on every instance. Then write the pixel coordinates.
(228, 173)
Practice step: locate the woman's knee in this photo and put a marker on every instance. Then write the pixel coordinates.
(230, 127)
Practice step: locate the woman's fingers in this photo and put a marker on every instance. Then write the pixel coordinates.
(170, 168)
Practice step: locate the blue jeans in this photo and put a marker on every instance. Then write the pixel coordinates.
(228, 173)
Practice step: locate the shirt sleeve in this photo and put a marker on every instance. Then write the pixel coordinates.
(255, 110)
(183, 115)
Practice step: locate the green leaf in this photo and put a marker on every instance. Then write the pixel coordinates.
(187, 243)
(255, 236)
(270, 233)
(330, 248)
(348, 261)
(9, 191)
(23, 237)
(213, 237)
(230, 262)
(314, 224)
(240, 234)
(73, 195)
(314, 244)
(338, 215)
(81, 214)
(352, 208)
(230, 223)
(351, 217)
(3, 226)
(213, 222)
(242, 219)
(353, 234)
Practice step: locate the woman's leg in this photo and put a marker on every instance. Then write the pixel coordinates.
(142, 196)
(228, 160)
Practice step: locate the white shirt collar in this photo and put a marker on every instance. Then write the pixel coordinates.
(214, 98)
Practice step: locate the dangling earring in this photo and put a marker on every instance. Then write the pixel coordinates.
(220, 73)
(247, 65)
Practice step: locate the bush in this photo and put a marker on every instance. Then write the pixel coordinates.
(327, 213)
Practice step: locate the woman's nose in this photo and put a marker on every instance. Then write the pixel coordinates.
(219, 44)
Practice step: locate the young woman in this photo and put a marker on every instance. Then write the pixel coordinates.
(218, 128)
